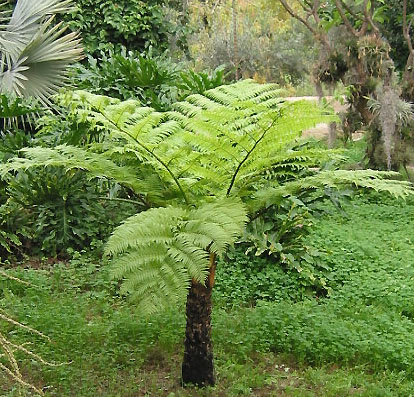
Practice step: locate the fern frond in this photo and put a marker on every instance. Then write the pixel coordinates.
(158, 252)
(152, 226)
(288, 163)
(70, 157)
(226, 217)
(380, 181)
(242, 124)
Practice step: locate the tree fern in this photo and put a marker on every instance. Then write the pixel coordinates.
(238, 140)
(212, 161)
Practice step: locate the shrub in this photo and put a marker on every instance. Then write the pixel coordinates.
(104, 24)
(55, 210)
(155, 81)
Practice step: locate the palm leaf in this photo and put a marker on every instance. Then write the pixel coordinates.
(36, 54)
(25, 21)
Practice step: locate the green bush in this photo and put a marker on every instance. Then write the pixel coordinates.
(129, 76)
(104, 24)
(55, 210)
(155, 81)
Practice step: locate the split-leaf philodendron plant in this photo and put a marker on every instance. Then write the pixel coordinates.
(201, 170)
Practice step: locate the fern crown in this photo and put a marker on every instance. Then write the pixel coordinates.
(202, 168)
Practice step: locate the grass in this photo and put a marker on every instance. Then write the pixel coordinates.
(358, 340)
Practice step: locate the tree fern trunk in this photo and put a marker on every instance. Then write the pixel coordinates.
(198, 366)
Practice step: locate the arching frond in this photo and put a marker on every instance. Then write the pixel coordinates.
(70, 157)
(381, 181)
(246, 125)
(158, 252)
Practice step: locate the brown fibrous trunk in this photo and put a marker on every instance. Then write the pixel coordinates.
(198, 365)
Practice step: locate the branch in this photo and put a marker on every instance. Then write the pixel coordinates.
(307, 10)
(368, 18)
(25, 327)
(310, 11)
(297, 16)
(349, 9)
(20, 380)
(314, 11)
(345, 19)
(406, 28)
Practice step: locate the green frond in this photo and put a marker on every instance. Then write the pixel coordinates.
(158, 252)
(154, 225)
(140, 257)
(189, 256)
(70, 157)
(288, 163)
(244, 90)
(246, 125)
(157, 287)
(377, 180)
(226, 218)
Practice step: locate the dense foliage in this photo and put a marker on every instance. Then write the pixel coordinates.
(204, 184)
(330, 347)
(154, 81)
(106, 24)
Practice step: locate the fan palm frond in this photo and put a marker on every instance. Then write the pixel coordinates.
(35, 52)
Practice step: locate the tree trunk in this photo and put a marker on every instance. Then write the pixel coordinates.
(408, 79)
(332, 135)
(235, 39)
(198, 366)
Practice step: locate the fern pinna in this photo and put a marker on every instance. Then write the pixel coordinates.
(201, 169)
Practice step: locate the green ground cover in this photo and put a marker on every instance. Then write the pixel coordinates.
(357, 338)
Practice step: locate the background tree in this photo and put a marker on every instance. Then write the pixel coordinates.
(133, 24)
(354, 51)
(270, 48)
